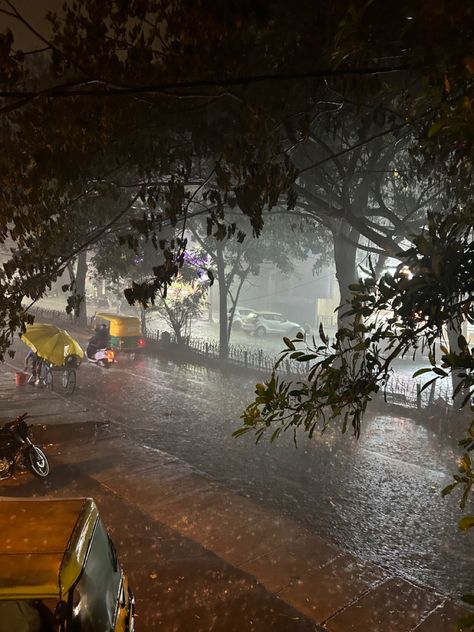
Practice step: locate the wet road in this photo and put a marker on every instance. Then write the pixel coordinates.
(378, 498)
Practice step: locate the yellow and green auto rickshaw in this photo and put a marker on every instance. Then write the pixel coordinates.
(125, 331)
(59, 569)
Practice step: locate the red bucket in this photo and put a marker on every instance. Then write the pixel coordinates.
(21, 378)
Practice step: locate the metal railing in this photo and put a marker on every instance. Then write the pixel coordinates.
(399, 389)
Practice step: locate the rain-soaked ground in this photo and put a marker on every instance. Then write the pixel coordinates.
(378, 498)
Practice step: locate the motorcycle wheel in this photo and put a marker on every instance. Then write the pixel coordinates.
(37, 462)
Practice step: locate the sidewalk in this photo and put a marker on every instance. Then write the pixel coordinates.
(201, 557)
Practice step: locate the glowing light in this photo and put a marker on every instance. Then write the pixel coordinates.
(406, 272)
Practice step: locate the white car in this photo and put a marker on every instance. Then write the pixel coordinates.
(263, 323)
(239, 315)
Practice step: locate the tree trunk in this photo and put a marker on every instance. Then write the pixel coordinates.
(345, 252)
(454, 329)
(223, 325)
(81, 274)
(143, 319)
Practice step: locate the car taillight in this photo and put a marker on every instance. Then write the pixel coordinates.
(141, 342)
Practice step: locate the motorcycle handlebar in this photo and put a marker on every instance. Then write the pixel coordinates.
(16, 423)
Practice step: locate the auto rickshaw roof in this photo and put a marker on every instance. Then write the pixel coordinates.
(121, 325)
(43, 545)
(118, 317)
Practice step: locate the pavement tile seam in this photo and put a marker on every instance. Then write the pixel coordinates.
(371, 608)
(439, 606)
(443, 617)
(304, 593)
(352, 602)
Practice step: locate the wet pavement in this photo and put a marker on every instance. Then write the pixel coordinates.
(201, 557)
(377, 499)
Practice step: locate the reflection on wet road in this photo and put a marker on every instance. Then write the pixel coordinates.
(378, 498)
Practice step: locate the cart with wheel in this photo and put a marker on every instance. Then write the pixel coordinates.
(60, 355)
(62, 378)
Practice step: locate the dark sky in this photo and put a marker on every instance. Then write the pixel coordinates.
(33, 11)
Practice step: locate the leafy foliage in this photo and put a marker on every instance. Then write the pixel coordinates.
(390, 317)
(181, 306)
(125, 108)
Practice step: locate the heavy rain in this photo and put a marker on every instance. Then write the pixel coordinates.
(236, 318)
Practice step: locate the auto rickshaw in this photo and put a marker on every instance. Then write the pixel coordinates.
(125, 332)
(59, 569)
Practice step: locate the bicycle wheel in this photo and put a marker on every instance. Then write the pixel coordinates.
(70, 385)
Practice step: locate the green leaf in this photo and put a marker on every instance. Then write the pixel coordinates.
(448, 489)
(421, 371)
(306, 357)
(241, 431)
(464, 524)
(296, 354)
(275, 435)
(322, 335)
(288, 343)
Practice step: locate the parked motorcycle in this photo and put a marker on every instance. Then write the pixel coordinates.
(17, 448)
(102, 357)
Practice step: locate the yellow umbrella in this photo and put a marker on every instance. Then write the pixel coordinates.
(51, 343)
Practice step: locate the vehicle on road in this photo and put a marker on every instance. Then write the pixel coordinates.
(58, 354)
(263, 323)
(103, 357)
(239, 314)
(125, 332)
(59, 569)
(17, 449)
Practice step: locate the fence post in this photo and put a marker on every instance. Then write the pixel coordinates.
(418, 396)
(245, 358)
(207, 348)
